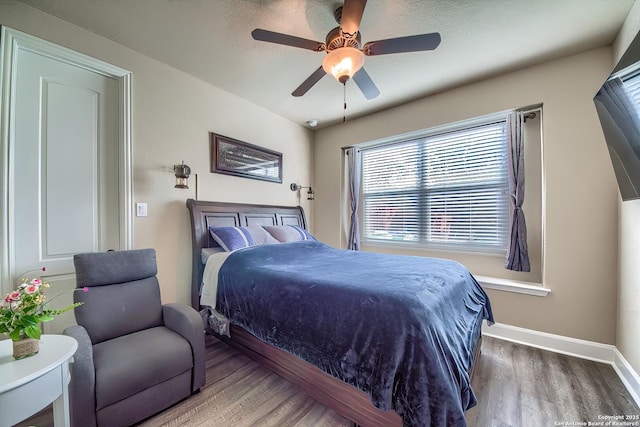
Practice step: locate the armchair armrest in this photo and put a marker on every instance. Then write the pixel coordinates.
(82, 396)
(187, 322)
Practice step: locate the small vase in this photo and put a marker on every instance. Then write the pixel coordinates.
(25, 347)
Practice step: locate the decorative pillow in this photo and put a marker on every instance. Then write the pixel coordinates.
(288, 233)
(260, 235)
(231, 238)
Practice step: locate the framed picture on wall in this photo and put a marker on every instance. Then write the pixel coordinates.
(232, 157)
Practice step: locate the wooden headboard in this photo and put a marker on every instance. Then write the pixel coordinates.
(218, 214)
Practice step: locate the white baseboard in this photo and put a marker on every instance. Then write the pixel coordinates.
(629, 377)
(590, 350)
(557, 343)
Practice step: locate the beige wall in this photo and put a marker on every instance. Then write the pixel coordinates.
(579, 206)
(172, 116)
(628, 332)
(173, 113)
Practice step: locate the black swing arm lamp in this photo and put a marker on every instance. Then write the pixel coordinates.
(310, 194)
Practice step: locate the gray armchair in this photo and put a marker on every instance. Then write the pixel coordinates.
(135, 356)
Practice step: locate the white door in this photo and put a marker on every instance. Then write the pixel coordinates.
(64, 168)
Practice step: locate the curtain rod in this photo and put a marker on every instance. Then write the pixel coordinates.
(530, 114)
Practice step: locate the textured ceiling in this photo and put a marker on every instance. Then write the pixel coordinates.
(211, 40)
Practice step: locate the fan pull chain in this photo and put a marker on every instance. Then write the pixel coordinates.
(344, 100)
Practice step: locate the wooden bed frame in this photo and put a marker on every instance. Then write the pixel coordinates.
(343, 398)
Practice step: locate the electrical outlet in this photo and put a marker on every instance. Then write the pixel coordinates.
(141, 209)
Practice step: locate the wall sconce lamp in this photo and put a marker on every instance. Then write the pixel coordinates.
(310, 194)
(182, 173)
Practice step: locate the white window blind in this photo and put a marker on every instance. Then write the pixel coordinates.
(631, 83)
(448, 190)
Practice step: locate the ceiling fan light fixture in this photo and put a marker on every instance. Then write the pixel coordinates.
(343, 63)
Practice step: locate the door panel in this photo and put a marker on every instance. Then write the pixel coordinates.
(66, 157)
(65, 168)
(65, 151)
(70, 163)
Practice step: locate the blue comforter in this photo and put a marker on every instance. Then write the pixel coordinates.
(400, 328)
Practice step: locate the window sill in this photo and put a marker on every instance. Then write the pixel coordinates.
(507, 285)
(431, 249)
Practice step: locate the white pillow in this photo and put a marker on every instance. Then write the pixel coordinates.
(260, 235)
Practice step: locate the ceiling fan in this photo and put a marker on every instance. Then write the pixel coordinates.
(345, 56)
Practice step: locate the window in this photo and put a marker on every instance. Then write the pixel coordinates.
(446, 190)
(631, 83)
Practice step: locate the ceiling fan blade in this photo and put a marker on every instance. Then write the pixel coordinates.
(351, 16)
(402, 44)
(287, 40)
(308, 84)
(366, 85)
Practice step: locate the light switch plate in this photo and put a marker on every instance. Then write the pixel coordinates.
(141, 209)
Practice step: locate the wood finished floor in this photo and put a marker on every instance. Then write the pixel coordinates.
(515, 385)
(518, 385)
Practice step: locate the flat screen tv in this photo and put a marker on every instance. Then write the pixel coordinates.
(618, 107)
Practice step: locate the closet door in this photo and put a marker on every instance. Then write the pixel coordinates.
(65, 186)
(65, 163)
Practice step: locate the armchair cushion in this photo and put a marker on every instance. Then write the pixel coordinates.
(108, 268)
(124, 294)
(170, 352)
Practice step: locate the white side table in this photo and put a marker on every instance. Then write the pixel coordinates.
(29, 385)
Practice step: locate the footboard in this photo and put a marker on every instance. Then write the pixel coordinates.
(339, 396)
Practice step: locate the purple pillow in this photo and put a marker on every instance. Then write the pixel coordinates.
(231, 238)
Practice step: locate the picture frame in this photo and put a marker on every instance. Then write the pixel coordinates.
(230, 156)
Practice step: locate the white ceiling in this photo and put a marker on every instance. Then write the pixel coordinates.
(211, 40)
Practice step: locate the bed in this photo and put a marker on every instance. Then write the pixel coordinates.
(375, 370)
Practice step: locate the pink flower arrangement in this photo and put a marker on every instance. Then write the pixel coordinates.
(22, 310)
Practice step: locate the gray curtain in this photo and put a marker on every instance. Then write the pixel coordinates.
(517, 258)
(355, 171)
